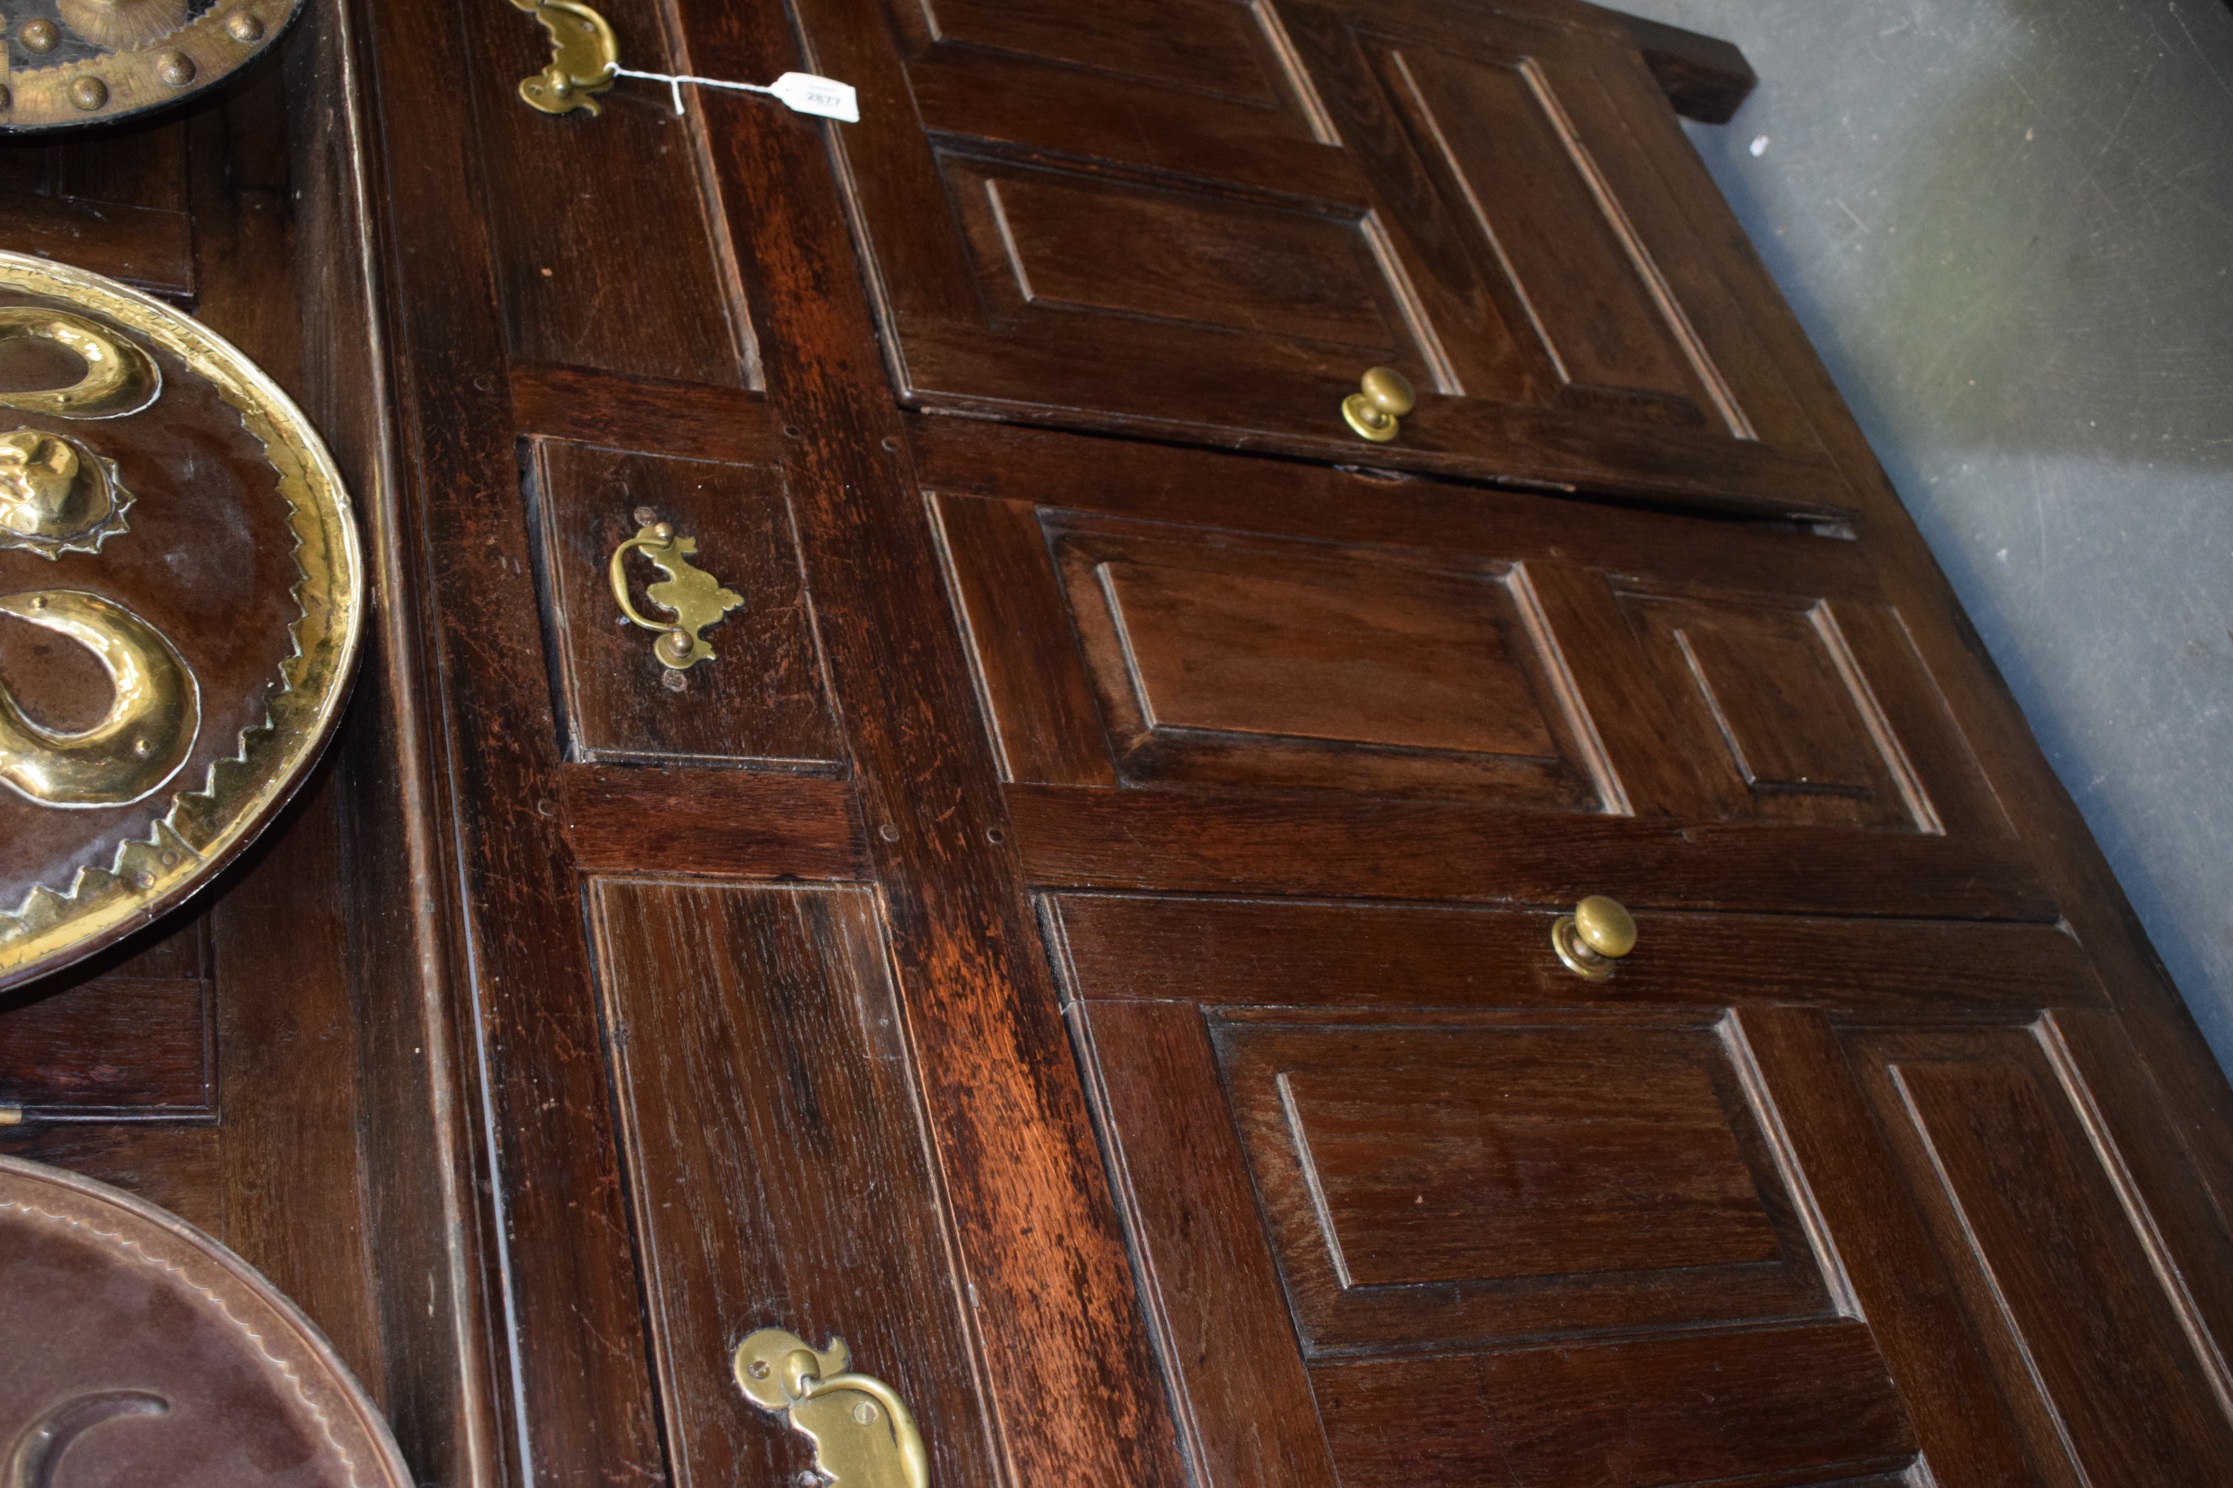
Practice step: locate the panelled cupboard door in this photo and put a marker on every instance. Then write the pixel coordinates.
(1205, 219)
(1784, 1201)
(1218, 673)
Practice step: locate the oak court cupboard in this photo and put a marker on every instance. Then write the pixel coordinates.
(1211, 732)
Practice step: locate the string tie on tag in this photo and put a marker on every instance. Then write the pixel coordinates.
(801, 92)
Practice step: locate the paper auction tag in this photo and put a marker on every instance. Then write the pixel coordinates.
(805, 93)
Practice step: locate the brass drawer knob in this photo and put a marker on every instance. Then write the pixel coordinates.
(1599, 932)
(1376, 409)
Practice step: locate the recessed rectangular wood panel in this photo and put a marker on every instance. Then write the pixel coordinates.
(779, 1166)
(1797, 1406)
(144, 246)
(110, 1047)
(1455, 1182)
(1207, 46)
(1283, 664)
(1555, 1155)
(1776, 711)
(1497, 128)
(1405, 661)
(762, 698)
(2092, 1354)
(178, 1167)
(113, 202)
(129, 1035)
(1799, 734)
(1191, 259)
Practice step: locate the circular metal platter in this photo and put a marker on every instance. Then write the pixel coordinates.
(140, 1351)
(75, 62)
(181, 595)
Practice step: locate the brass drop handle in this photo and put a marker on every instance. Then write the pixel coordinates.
(1376, 409)
(864, 1436)
(1599, 932)
(694, 597)
(584, 58)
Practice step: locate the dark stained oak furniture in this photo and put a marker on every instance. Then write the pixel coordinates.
(1086, 938)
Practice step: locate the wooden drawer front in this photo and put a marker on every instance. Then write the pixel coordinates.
(1221, 673)
(1208, 219)
(1164, 620)
(602, 251)
(1399, 958)
(761, 699)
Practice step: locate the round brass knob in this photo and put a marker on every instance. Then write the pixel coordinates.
(1599, 932)
(1383, 397)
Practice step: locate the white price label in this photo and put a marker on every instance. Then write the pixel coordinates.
(825, 97)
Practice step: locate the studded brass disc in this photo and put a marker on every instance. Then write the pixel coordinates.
(180, 601)
(69, 63)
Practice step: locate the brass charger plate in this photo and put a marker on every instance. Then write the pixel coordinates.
(140, 1351)
(73, 62)
(181, 595)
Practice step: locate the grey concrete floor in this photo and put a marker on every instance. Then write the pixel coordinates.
(2008, 226)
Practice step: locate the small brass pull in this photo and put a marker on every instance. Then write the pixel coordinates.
(695, 597)
(1377, 408)
(863, 1434)
(1599, 932)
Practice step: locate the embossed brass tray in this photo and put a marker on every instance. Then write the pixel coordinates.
(74, 62)
(181, 593)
